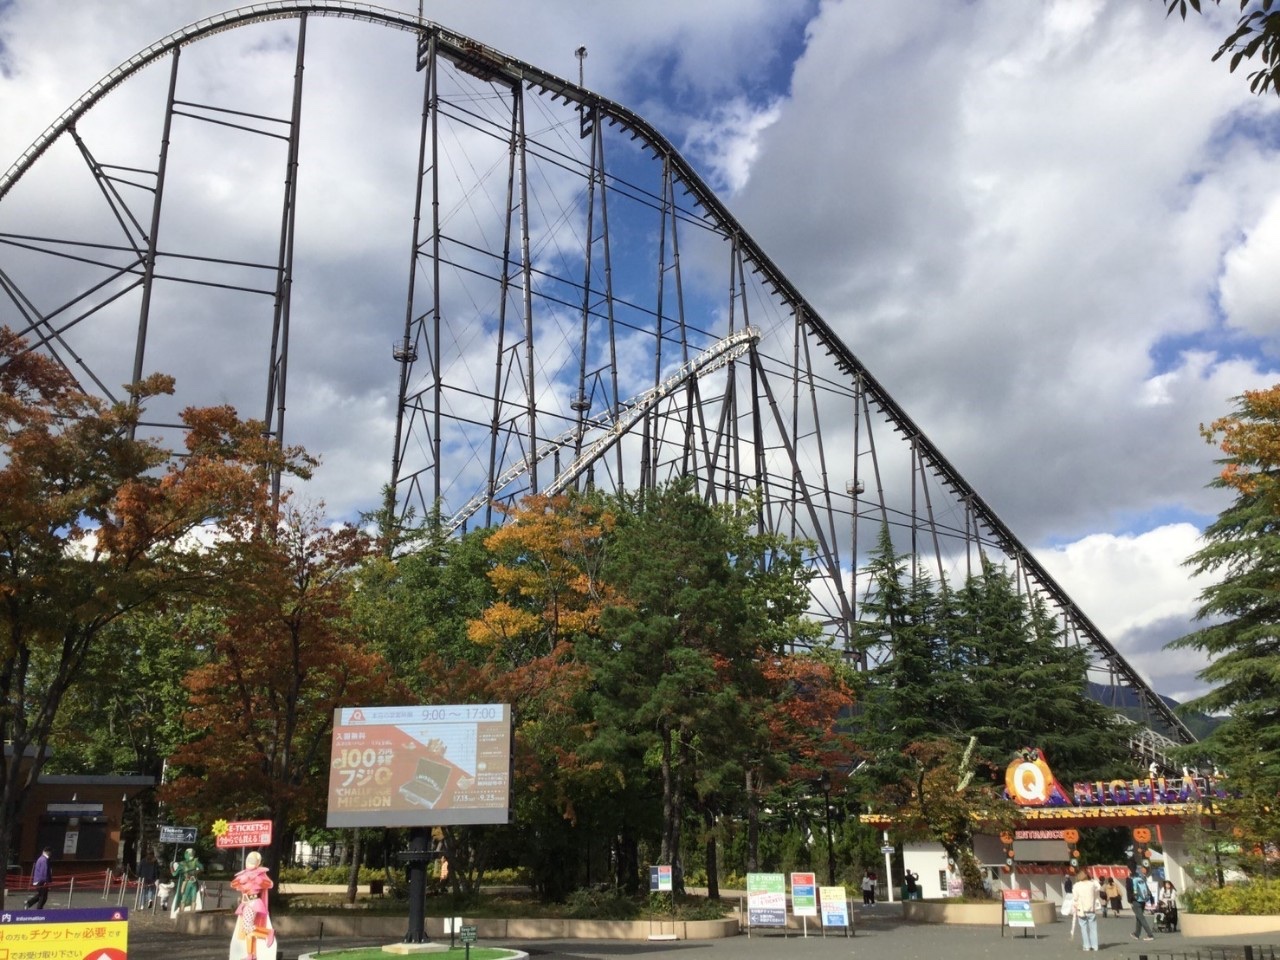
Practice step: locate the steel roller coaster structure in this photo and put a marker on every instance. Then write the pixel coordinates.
(566, 320)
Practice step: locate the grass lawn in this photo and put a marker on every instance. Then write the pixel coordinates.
(457, 953)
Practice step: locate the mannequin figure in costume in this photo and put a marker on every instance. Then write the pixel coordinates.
(253, 938)
(186, 877)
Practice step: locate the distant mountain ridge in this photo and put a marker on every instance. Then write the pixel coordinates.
(1124, 700)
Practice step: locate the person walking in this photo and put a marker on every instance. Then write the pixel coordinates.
(148, 874)
(41, 878)
(1111, 897)
(1084, 900)
(1142, 898)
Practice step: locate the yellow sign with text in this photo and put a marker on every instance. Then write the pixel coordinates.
(94, 934)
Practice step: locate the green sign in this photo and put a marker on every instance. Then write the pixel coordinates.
(467, 933)
(766, 900)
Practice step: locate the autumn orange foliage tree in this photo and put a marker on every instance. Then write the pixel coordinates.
(285, 657)
(549, 598)
(547, 576)
(94, 525)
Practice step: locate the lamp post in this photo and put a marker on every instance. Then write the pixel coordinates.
(825, 782)
(855, 488)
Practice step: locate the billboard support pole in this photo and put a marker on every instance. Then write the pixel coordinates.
(416, 860)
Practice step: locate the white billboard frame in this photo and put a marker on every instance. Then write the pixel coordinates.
(425, 765)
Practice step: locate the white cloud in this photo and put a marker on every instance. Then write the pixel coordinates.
(1251, 278)
(728, 141)
(1029, 220)
(1139, 593)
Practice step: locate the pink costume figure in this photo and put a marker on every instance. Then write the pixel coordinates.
(253, 922)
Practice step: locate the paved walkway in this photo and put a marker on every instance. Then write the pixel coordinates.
(881, 933)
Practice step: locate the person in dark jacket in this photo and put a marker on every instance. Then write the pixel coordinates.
(41, 878)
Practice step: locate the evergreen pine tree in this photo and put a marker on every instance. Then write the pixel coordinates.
(1241, 611)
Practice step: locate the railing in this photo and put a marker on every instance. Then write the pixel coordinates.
(116, 888)
(1225, 952)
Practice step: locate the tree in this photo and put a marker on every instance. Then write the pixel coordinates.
(1257, 34)
(545, 578)
(976, 673)
(1015, 683)
(709, 603)
(900, 701)
(127, 712)
(284, 659)
(1241, 611)
(95, 524)
(948, 792)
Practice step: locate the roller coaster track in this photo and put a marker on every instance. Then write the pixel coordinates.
(574, 331)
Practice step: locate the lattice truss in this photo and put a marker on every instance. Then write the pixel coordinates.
(557, 297)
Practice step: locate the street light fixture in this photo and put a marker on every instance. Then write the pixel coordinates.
(854, 488)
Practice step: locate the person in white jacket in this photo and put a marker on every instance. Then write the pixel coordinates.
(1084, 900)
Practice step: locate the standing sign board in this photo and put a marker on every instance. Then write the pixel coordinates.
(835, 907)
(660, 879)
(97, 933)
(804, 898)
(804, 895)
(185, 835)
(1017, 910)
(766, 900)
(245, 833)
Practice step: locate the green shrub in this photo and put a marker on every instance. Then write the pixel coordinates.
(701, 909)
(505, 877)
(329, 875)
(1255, 898)
(597, 905)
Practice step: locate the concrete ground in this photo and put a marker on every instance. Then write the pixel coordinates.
(880, 933)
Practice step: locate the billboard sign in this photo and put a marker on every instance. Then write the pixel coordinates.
(420, 766)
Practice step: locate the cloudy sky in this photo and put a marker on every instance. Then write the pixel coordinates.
(1050, 229)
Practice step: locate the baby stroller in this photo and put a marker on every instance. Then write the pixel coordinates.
(1166, 919)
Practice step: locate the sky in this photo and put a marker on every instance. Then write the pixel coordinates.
(1049, 229)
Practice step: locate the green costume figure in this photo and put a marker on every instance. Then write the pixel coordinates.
(186, 875)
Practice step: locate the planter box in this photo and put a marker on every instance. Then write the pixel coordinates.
(985, 914)
(1224, 925)
(211, 922)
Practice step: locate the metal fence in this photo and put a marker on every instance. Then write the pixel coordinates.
(1226, 952)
